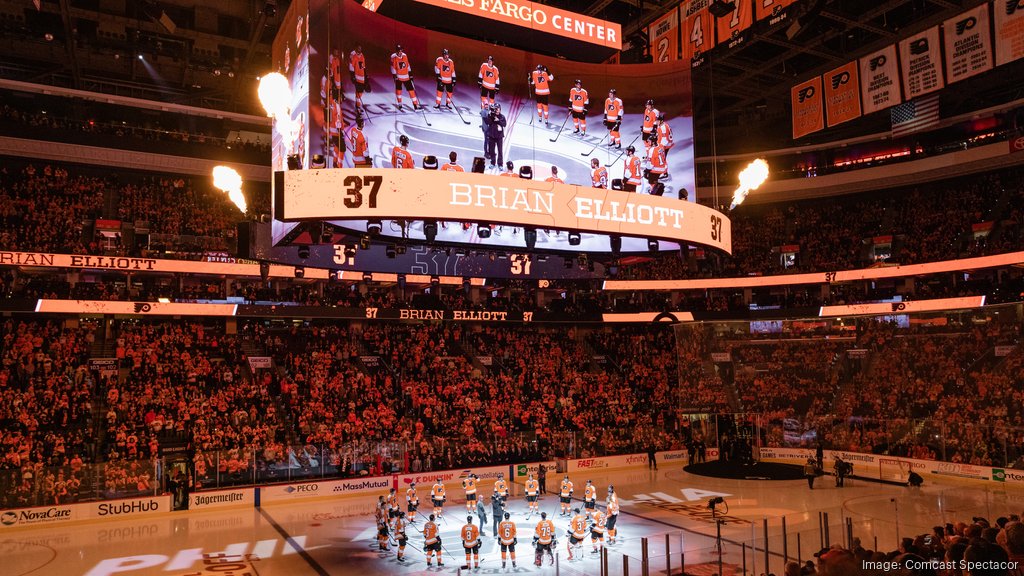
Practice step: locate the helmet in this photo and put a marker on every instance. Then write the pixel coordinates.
(650, 102)
(612, 91)
(540, 66)
(359, 121)
(490, 58)
(510, 166)
(469, 519)
(661, 116)
(444, 52)
(630, 149)
(404, 141)
(578, 81)
(398, 47)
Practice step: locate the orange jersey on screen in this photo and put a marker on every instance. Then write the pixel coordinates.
(488, 76)
(613, 108)
(401, 158)
(470, 535)
(632, 170)
(579, 99)
(650, 117)
(540, 80)
(545, 531)
(445, 69)
(599, 177)
(357, 66)
(400, 66)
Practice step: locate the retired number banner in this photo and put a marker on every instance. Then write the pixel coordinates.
(968, 44)
(880, 80)
(921, 56)
(360, 193)
(664, 37)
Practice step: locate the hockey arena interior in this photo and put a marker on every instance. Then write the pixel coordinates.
(612, 288)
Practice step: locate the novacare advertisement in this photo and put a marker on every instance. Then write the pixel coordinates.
(285, 492)
(52, 515)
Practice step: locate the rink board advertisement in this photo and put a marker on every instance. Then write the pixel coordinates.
(606, 462)
(287, 492)
(222, 499)
(523, 471)
(451, 478)
(104, 510)
(340, 27)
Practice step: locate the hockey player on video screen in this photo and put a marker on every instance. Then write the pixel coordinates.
(490, 82)
(540, 81)
(444, 70)
(578, 102)
(357, 72)
(401, 72)
(613, 112)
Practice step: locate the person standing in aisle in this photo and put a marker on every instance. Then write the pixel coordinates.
(542, 478)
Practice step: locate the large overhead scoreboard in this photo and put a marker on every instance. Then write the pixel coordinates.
(315, 48)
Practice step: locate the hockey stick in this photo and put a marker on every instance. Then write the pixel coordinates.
(595, 146)
(456, 106)
(623, 152)
(529, 93)
(562, 128)
(424, 113)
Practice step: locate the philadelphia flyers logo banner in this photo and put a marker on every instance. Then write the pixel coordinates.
(968, 44)
(880, 80)
(807, 101)
(842, 94)
(921, 59)
(1009, 17)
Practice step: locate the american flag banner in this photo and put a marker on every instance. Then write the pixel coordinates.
(915, 115)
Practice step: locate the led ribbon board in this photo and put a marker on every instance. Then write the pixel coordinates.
(363, 193)
(541, 18)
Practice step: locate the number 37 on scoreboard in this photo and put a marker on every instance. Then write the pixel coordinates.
(354, 186)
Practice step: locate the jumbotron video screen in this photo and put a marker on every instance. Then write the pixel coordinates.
(372, 92)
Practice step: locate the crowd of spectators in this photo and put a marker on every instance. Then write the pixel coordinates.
(129, 128)
(336, 398)
(926, 223)
(52, 208)
(46, 401)
(961, 548)
(46, 206)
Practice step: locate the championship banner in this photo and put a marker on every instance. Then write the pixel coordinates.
(770, 9)
(968, 44)
(921, 56)
(541, 18)
(732, 27)
(698, 29)
(880, 80)
(1009, 31)
(664, 37)
(807, 108)
(842, 94)
(361, 193)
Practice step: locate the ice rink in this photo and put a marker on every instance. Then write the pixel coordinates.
(337, 536)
